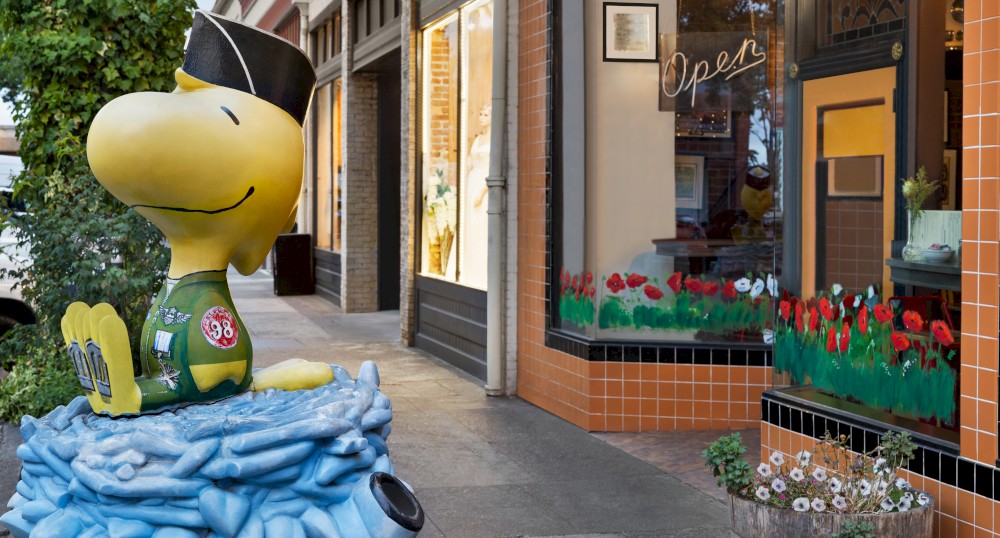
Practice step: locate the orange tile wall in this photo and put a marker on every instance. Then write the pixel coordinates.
(600, 396)
(980, 231)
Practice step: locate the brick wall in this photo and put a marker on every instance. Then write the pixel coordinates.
(409, 28)
(359, 284)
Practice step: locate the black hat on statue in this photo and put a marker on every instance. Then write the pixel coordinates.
(227, 53)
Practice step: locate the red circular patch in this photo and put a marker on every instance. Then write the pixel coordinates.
(220, 328)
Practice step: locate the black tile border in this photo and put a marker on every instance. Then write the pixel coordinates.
(935, 459)
(723, 354)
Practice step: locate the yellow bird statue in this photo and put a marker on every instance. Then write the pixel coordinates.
(756, 195)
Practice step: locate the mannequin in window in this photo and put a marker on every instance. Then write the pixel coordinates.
(476, 235)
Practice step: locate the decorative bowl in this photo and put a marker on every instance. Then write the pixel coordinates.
(937, 255)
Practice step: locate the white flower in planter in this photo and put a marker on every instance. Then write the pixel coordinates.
(879, 466)
(742, 285)
(797, 475)
(835, 485)
(801, 504)
(763, 494)
(839, 502)
(764, 469)
(779, 485)
(757, 289)
(864, 488)
(923, 499)
(904, 504)
(818, 505)
(902, 483)
(804, 458)
(777, 459)
(819, 474)
(908, 496)
(887, 504)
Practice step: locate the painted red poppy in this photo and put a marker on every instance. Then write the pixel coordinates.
(675, 282)
(799, 325)
(942, 333)
(848, 302)
(576, 283)
(786, 310)
(863, 320)
(710, 288)
(635, 280)
(615, 283)
(729, 290)
(652, 292)
(692, 284)
(913, 321)
(882, 313)
(813, 319)
(826, 309)
(900, 342)
(831, 340)
(845, 337)
(578, 290)
(590, 277)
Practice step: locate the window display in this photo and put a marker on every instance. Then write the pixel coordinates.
(328, 166)
(455, 144)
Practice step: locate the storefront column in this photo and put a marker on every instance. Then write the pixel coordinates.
(980, 234)
(409, 29)
(359, 284)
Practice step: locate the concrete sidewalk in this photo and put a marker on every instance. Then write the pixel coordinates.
(481, 466)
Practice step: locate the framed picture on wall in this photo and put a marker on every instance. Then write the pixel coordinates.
(948, 175)
(630, 31)
(689, 180)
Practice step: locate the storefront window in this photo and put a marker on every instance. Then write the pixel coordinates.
(681, 174)
(328, 166)
(455, 114)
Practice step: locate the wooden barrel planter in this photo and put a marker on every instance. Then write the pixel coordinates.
(754, 520)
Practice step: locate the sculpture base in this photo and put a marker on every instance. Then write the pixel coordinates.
(275, 463)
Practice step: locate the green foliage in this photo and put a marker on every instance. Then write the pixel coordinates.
(38, 383)
(60, 61)
(856, 529)
(725, 458)
(897, 448)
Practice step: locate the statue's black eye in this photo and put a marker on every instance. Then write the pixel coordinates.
(231, 115)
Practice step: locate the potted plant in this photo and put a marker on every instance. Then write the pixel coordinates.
(829, 491)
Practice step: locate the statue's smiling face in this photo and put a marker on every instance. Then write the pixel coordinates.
(202, 162)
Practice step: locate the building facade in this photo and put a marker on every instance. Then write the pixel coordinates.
(398, 154)
(715, 226)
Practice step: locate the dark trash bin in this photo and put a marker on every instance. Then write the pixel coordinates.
(293, 265)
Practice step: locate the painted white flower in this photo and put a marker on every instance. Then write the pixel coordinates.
(819, 474)
(836, 289)
(923, 499)
(857, 301)
(742, 285)
(779, 485)
(772, 285)
(804, 458)
(768, 336)
(835, 485)
(904, 505)
(818, 505)
(777, 459)
(839, 503)
(887, 504)
(797, 475)
(763, 494)
(764, 469)
(758, 287)
(871, 291)
(801, 504)
(901, 483)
